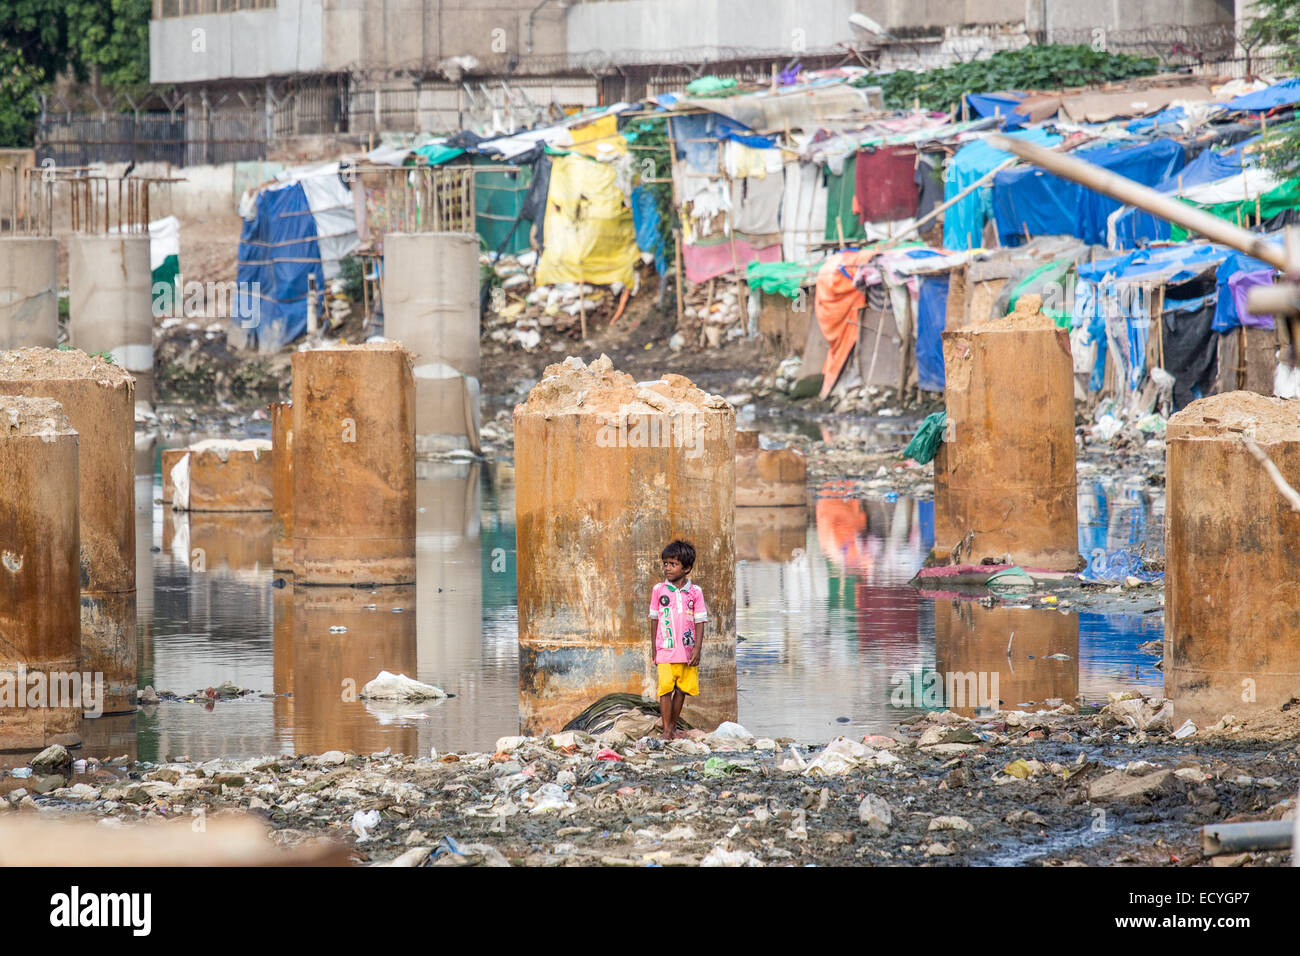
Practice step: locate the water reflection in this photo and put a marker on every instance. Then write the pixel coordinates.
(831, 627)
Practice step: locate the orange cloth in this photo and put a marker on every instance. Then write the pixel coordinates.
(837, 302)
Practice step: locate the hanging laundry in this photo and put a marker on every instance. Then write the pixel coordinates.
(836, 306)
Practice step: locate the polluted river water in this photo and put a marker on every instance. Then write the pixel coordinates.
(834, 640)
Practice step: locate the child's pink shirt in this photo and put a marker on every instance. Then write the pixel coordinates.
(677, 610)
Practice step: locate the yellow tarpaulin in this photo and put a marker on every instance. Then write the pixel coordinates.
(589, 231)
(597, 137)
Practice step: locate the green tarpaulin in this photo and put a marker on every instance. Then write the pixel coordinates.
(498, 197)
(1277, 200)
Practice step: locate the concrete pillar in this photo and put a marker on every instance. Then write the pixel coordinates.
(431, 305)
(223, 475)
(330, 668)
(99, 400)
(608, 472)
(972, 658)
(282, 485)
(39, 570)
(1004, 481)
(354, 465)
(767, 478)
(29, 291)
(1232, 594)
(111, 307)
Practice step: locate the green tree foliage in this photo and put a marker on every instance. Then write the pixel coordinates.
(1045, 67)
(33, 50)
(111, 36)
(1277, 26)
(39, 39)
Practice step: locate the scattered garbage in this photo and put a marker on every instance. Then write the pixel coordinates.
(363, 821)
(388, 686)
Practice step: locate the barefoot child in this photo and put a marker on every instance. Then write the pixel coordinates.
(677, 618)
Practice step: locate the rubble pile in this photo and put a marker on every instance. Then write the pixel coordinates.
(520, 314)
(1011, 786)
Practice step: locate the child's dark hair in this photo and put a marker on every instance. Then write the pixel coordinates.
(682, 551)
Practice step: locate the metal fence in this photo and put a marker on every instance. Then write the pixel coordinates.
(82, 139)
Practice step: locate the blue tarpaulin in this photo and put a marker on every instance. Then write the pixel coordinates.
(1134, 227)
(1003, 104)
(963, 222)
(645, 220)
(277, 252)
(1279, 94)
(1029, 201)
(697, 136)
(931, 313)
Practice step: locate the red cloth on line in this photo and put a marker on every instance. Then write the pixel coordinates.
(885, 184)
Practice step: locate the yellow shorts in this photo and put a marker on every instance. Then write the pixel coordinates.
(681, 676)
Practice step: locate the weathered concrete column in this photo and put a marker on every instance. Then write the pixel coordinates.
(330, 668)
(39, 571)
(1232, 593)
(431, 305)
(974, 667)
(354, 465)
(1004, 481)
(223, 475)
(282, 485)
(29, 291)
(99, 400)
(111, 305)
(608, 471)
(169, 458)
(767, 478)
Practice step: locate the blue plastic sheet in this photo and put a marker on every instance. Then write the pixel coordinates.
(1029, 201)
(963, 222)
(1133, 227)
(1112, 567)
(931, 314)
(1279, 94)
(697, 137)
(1004, 104)
(1171, 115)
(645, 220)
(272, 273)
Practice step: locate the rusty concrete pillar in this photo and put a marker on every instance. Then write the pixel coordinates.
(1004, 479)
(282, 710)
(110, 306)
(29, 291)
(282, 485)
(39, 571)
(330, 667)
(1009, 650)
(431, 305)
(223, 475)
(767, 478)
(608, 472)
(99, 399)
(1232, 594)
(354, 465)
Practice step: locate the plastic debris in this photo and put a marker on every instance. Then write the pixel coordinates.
(388, 686)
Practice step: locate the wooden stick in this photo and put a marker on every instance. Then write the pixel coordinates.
(1290, 494)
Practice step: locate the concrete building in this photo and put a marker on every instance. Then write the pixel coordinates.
(287, 67)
